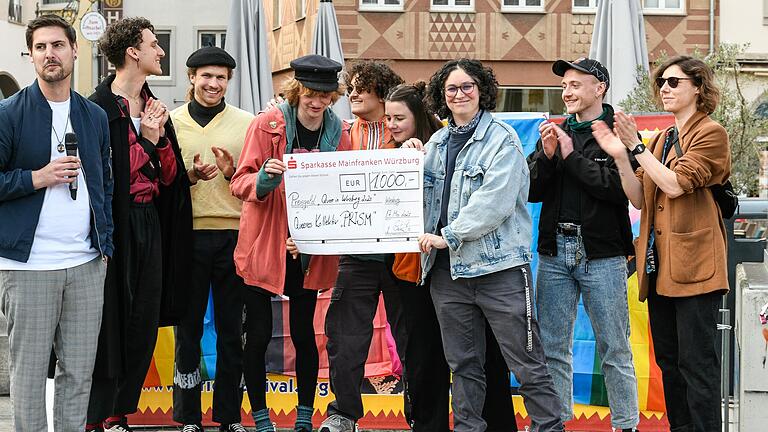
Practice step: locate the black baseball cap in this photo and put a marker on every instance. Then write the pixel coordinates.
(586, 65)
(317, 72)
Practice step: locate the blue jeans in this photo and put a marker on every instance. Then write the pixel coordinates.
(602, 283)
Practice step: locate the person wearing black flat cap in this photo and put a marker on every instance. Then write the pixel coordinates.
(584, 239)
(211, 135)
(265, 257)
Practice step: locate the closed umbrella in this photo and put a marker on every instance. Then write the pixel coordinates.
(618, 42)
(326, 41)
(251, 86)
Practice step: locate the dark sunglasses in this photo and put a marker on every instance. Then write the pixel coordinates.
(672, 81)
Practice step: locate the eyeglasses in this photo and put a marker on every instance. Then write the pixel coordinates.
(672, 81)
(467, 88)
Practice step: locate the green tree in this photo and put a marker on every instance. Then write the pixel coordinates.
(734, 112)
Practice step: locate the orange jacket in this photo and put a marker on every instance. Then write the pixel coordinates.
(260, 252)
(407, 267)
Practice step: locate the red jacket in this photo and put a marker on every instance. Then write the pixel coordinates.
(260, 252)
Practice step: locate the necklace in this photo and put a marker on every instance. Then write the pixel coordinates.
(134, 98)
(60, 146)
(317, 144)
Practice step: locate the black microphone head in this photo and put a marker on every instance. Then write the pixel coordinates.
(70, 143)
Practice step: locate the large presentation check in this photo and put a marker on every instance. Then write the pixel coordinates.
(355, 202)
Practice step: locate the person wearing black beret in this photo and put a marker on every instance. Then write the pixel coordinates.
(265, 257)
(211, 134)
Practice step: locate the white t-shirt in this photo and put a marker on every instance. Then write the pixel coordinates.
(62, 238)
(136, 124)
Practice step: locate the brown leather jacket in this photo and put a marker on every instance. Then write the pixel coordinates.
(690, 234)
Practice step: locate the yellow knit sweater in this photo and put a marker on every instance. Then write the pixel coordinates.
(213, 206)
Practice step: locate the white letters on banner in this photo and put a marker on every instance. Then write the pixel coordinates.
(355, 202)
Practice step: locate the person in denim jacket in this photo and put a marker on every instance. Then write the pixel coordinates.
(476, 246)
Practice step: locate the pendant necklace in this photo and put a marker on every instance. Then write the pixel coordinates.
(317, 144)
(60, 146)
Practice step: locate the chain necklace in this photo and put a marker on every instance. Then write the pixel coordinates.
(60, 141)
(317, 144)
(133, 98)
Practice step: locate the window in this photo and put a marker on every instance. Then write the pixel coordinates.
(14, 11)
(453, 6)
(166, 40)
(211, 38)
(388, 5)
(301, 9)
(663, 6)
(277, 11)
(522, 5)
(530, 99)
(585, 6)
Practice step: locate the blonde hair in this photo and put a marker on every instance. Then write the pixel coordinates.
(293, 89)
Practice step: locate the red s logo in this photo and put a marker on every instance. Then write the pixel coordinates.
(291, 164)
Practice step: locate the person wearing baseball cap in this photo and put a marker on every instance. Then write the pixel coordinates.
(585, 237)
(211, 134)
(265, 257)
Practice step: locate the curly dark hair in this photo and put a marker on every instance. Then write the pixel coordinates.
(702, 75)
(412, 95)
(483, 76)
(50, 21)
(372, 76)
(122, 35)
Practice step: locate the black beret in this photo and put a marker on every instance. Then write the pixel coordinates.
(317, 72)
(210, 56)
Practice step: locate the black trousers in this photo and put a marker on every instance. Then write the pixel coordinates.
(258, 328)
(349, 328)
(684, 330)
(120, 396)
(213, 270)
(428, 377)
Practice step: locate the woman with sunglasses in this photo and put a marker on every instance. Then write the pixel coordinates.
(681, 251)
(428, 378)
(476, 246)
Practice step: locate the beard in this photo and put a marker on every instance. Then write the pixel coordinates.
(56, 75)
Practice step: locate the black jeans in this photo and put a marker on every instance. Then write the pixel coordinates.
(213, 270)
(428, 377)
(258, 328)
(349, 328)
(684, 330)
(120, 396)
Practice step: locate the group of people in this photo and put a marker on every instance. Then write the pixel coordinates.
(153, 209)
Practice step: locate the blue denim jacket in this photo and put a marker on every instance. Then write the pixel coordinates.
(489, 228)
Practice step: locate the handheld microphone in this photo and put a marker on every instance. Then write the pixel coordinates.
(70, 144)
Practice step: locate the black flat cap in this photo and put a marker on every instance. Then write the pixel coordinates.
(586, 65)
(317, 72)
(211, 56)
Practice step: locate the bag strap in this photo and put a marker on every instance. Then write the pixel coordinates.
(676, 142)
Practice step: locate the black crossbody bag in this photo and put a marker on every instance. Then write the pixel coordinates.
(724, 195)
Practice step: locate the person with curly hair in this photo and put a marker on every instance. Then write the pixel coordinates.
(362, 279)
(681, 252)
(152, 211)
(265, 257)
(476, 246)
(428, 376)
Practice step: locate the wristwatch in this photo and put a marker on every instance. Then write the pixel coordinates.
(638, 149)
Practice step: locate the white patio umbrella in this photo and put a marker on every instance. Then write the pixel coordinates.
(251, 86)
(326, 41)
(618, 42)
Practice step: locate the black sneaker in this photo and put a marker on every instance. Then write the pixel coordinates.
(192, 428)
(233, 427)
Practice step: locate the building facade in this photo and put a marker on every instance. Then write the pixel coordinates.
(519, 39)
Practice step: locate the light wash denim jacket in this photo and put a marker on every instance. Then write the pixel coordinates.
(489, 228)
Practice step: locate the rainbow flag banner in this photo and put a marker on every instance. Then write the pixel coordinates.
(382, 388)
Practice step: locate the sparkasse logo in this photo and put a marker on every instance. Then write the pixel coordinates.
(291, 163)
